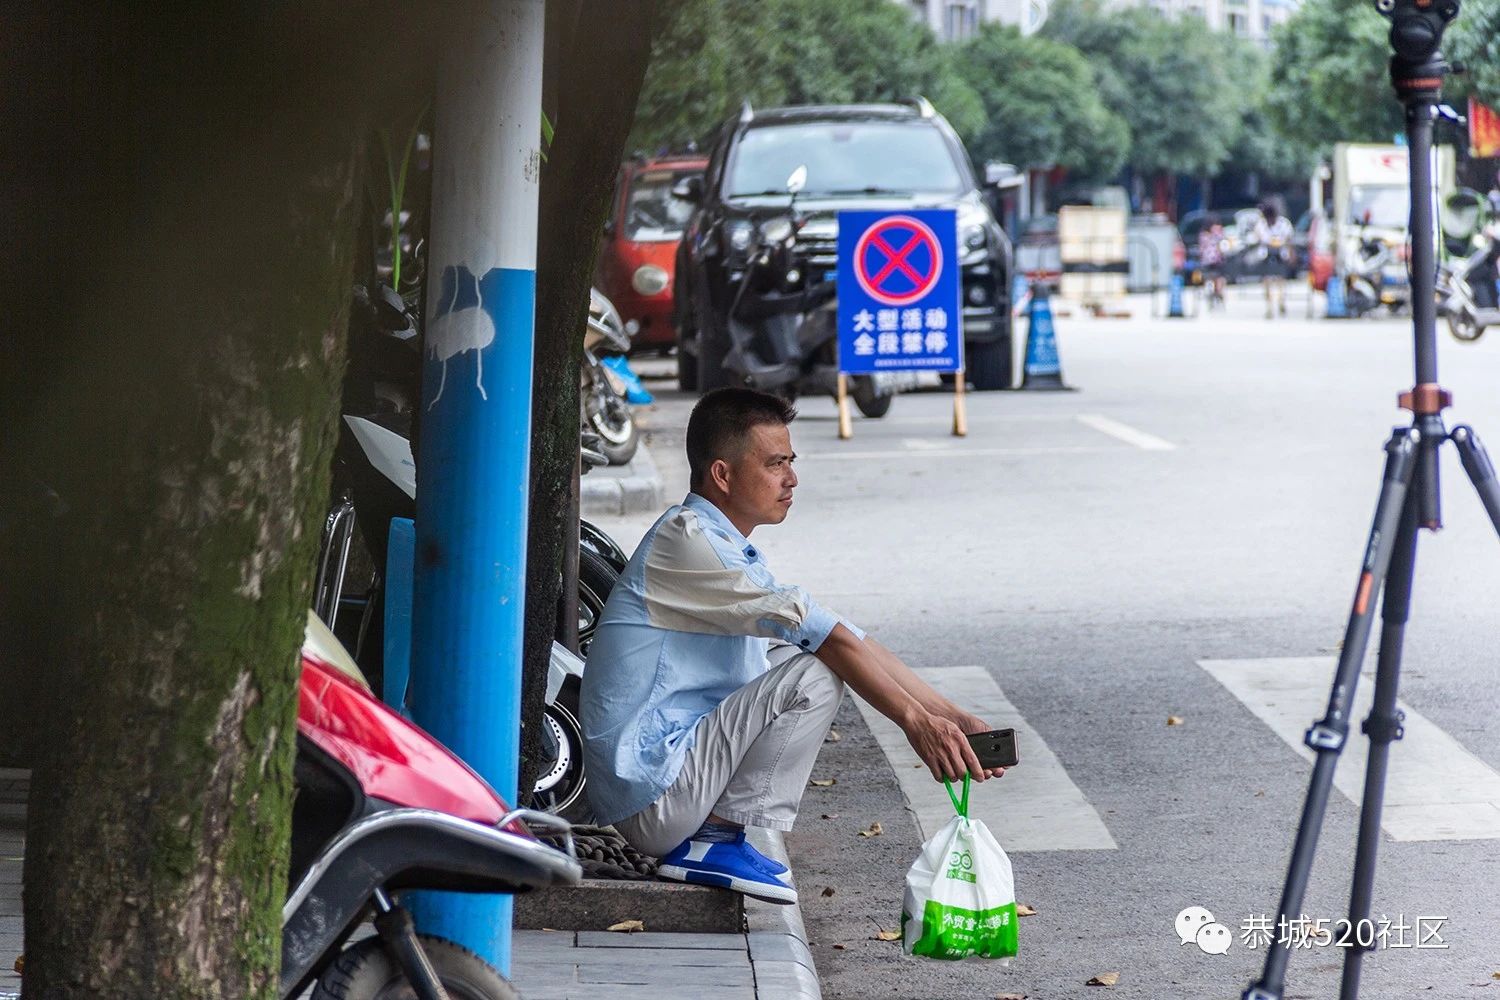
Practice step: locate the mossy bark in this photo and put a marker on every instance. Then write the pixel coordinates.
(596, 63)
(181, 384)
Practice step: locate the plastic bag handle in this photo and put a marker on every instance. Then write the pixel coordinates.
(959, 806)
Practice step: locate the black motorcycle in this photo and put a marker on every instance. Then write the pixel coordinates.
(1467, 291)
(375, 481)
(783, 330)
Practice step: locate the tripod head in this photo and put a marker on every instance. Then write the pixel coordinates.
(1417, 66)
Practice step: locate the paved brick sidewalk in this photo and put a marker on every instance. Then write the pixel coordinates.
(564, 965)
(770, 962)
(13, 786)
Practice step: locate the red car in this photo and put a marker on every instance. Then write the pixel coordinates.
(640, 244)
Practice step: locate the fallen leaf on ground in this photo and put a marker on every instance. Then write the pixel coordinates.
(1022, 910)
(1493, 975)
(823, 782)
(1174, 720)
(873, 831)
(1105, 979)
(828, 890)
(627, 926)
(830, 815)
(20, 963)
(887, 935)
(1010, 996)
(839, 947)
(832, 737)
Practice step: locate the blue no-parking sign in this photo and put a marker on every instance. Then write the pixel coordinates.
(899, 286)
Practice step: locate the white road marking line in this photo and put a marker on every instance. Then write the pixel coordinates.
(953, 453)
(1124, 432)
(1435, 789)
(974, 418)
(1034, 807)
(924, 444)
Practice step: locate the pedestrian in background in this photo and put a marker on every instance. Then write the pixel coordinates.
(1273, 241)
(1211, 257)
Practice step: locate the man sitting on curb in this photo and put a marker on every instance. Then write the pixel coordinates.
(710, 686)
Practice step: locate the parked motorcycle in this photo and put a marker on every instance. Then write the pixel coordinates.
(1467, 292)
(380, 808)
(783, 331)
(376, 481)
(388, 477)
(602, 392)
(1376, 275)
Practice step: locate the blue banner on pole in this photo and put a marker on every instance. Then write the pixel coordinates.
(899, 292)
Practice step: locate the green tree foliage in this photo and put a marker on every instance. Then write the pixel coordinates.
(1474, 41)
(712, 54)
(1258, 145)
(1167, 78)
(1042, 105)
(1329, 77)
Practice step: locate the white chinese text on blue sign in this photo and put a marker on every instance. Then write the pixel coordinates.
(899, 292)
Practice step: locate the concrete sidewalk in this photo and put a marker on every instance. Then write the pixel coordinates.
(13, 786)
(769, 960)
(632, 488)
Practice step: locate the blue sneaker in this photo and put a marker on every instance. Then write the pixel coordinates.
(736, 866)
(775, 867)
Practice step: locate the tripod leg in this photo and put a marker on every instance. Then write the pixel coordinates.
(1382, 726)
(1327, 735)
(1480, 469)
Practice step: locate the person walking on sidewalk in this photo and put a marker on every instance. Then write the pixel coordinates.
(1211, 241)
(710, 686)
(1273, 241)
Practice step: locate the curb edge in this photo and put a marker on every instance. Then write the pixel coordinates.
(637, 492)
(779, 955)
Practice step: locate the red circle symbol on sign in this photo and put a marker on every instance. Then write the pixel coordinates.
(897, 261)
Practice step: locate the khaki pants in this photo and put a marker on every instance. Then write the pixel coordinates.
(751, 756)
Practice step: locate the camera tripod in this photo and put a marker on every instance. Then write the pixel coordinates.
(1409, 501)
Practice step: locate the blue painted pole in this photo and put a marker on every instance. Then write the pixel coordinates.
(468, 606)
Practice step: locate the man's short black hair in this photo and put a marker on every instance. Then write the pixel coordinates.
(722, 421)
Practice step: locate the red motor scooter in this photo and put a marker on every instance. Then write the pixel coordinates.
(382, 807)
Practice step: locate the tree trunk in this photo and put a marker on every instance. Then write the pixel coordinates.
(188, 358)
(596, 65)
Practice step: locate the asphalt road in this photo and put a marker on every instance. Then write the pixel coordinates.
(1203, 498)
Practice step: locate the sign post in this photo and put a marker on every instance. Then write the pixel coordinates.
(899, 300)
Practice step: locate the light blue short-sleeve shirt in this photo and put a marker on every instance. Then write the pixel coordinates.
(688, 623)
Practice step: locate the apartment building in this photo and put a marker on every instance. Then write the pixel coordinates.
(956, 20)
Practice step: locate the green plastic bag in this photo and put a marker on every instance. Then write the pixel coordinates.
(960, 894)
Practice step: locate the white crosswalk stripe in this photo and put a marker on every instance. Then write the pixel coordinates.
(1435, 789)
(1034, 807)
(1124, 432)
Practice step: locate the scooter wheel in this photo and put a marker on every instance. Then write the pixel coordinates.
(871, 403)
(1464, 328)
(366, 971)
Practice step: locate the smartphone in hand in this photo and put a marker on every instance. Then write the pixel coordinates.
(996, 748)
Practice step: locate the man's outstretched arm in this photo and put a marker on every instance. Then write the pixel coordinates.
(938, 740)
(923, 692)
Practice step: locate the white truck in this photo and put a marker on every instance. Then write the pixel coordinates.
(1371, 192)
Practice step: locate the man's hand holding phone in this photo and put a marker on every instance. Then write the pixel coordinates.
(944, 747)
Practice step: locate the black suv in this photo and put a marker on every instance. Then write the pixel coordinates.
(864, 156)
